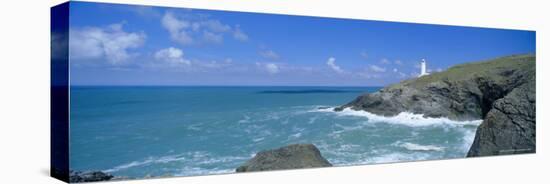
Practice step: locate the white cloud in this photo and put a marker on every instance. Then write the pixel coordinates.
(385, 61)
(189, 30)
(375, 68)
(177, 28)
(364, 54)
(147, 12)
(215, 64)
(398, 62)
(228, 60)
(238, 34)
(111, 42)
(332, 64)
(214, 26)
(439, 69)
(271, 68)
(212, 37)
(172, 56)
(368, 75)
(401, 74)
(270, 54)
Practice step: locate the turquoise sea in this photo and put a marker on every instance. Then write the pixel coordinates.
(182, 131)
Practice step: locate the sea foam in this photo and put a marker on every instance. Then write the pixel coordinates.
(197, 159)
(403, 118)
(418, 147)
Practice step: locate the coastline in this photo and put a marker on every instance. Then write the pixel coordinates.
(342, 122)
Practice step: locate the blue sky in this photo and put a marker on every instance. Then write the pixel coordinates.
(138, 45)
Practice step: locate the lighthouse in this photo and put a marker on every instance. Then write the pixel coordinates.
(423, 68)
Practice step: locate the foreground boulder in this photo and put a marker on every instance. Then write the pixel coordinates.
(500, 91)
(89, 176)
(289, 157)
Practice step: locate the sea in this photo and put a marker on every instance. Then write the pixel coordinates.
(155, 131)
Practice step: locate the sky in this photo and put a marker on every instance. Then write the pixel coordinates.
(112, 44)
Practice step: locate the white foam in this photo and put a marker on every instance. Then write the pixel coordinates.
(246, 119)
(322, 109)
(197, 171)
(152, 160)
(258, 139)
(126, 166)
(273, 116)
(418, 147)
(194, 127)
(285, 121)
(312, 120)
(342, 129)
(403, 118)
(295, 136)
(468, 139)
(397, 157)
(348, 147)
(191, 158)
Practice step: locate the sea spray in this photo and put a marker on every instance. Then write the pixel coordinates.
(403, 118)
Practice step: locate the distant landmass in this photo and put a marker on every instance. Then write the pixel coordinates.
(499, 91)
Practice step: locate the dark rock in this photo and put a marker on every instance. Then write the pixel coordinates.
(500, 91)
(89, 176)
(463, 92)
(288, 157)
(509, 127)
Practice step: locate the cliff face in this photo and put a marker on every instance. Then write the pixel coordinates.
(288, 157)
(500, 91)
(509, 127)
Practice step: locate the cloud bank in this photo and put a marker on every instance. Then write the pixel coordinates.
(111, 42)
(172, 56)
(331, 62)
(188, 30)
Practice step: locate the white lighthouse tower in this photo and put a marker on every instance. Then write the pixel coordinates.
(423, 68)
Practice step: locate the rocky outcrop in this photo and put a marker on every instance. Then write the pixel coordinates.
(500, 91)
(509, 127)
(89, 176)
(288, 157)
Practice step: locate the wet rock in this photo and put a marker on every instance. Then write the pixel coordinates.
(289, 157)
(510, 126)
(89, 176)
(500, 91)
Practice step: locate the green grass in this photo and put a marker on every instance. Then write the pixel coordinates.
(468, 71)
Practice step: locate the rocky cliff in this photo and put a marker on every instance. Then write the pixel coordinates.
(288, 157)
(509, 127)
(500, 91)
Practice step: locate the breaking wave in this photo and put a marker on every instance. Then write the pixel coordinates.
(192, 160)
(418, 147)
(403, 118)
